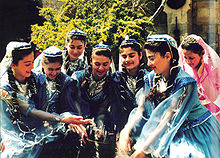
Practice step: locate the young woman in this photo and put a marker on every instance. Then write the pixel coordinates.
(96, 98)
(23, 131)
(131, 79)
(75, 56)
(203, 64)
(170, 120)
(59, 94)
(60, 89)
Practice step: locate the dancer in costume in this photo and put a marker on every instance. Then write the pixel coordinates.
(24, 128)
(169, 121)
(96, 99)
(59, 94)
(74, 57)
(200, 61)
(131, 79)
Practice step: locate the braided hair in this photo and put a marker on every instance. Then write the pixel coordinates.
(31, 82)
(162, 47)
(100, 50)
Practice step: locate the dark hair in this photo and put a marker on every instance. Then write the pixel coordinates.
(46, 59)
(162, 47)
(16, 114)
(19, 54)
(134, 46)
(190, 43)
(75, 37)
(103, 51)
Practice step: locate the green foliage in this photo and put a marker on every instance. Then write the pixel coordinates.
(108, 21)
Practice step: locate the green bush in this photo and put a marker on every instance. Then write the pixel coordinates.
(107, 21)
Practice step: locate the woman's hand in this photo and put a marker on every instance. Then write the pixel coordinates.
(138, 154)
(81, 130)
(76, 120)
(124, 142)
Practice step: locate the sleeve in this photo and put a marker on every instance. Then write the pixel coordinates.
(165, 120)
(78, 76)
(25, 108)
(67, 99)
(209, 82)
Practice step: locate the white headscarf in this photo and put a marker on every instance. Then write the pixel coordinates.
(7, 60)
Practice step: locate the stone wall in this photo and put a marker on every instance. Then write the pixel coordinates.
(200, 17)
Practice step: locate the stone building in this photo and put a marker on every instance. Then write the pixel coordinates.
(185, 17)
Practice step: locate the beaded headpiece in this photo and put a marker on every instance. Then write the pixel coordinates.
(101, 46)
(128, 40)
(12, 46)
(164, 37)
(76, 32)
(52, 52)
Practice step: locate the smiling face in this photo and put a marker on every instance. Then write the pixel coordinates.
(52, 70)
(100, 66)
(75, 48)
(130, 59)
(158, 63)
(23, 68)
(191, 58)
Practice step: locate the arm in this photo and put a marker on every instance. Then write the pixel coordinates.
(134, 117)
(210, 83)
(42, 115)
(165, 120)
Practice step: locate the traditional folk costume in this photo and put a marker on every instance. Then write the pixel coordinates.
(176, 125)
(22, 136)
(68, 66)
(57, 96)
(96, 100)
(79, 64)
(209, 81)
(126, 87)
(190, 131)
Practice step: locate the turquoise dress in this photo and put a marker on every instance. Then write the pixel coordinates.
(22, 136)
(178, 126)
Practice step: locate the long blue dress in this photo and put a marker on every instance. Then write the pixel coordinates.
(22, 136)
(178, 126)
(58, 97)
(97, 100)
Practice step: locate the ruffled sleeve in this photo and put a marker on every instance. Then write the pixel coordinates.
(165, 120)
(208, 83)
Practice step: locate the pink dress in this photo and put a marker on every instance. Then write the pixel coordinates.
(208, 87)
(209, 81)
